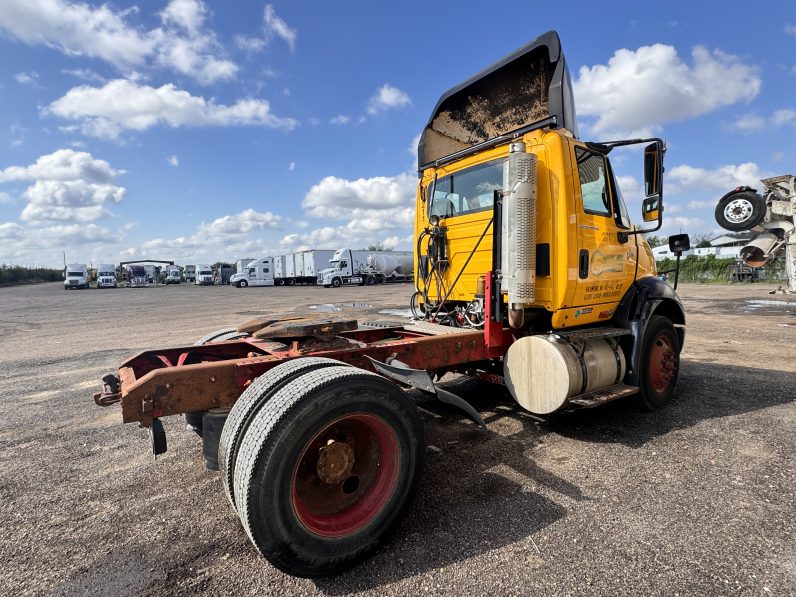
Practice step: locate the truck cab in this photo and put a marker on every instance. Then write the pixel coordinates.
(106, 275)
(76, 276)
(135, 276)
(173, 275)
(259, 272)
(204, 275)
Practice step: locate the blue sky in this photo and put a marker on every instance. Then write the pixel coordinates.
(204, 131)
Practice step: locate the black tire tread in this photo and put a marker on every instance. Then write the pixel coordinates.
(207, 338)
(250, 401)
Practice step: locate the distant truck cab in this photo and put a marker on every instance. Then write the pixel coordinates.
(106, 275)
(173, 275)
(135, 276)
(259, 272)
(204, 275)
(76, 276)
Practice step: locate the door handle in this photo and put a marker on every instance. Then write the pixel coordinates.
(583, 264)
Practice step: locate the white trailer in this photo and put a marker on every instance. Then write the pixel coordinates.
(312, 262)
(76, 276)
(106, 275)
(280, 268)
(290, 270)
(258, 272)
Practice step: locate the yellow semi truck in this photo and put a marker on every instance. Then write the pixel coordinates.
(529, 274)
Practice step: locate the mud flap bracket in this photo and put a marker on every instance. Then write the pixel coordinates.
(157, 435)
(421, 380)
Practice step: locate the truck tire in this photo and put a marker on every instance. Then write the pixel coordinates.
(242, 284)
(280, 282)
(337, 282)
(212, 336)
(370, 281)
(327, 469)
(247, 406)
(659, 364)
(234, 335)
(740, 210)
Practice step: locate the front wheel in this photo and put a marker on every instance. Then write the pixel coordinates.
(659, 366)
(740, 210)
(327, 469)
(337, 282)
(243, 284)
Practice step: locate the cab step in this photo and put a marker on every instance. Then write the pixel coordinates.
(604, 395)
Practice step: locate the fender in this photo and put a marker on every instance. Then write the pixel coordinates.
(646, 297)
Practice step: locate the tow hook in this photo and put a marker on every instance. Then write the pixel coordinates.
(111, 391)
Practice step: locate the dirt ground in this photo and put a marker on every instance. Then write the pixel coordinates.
(697, 499)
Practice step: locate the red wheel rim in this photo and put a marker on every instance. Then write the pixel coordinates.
(663, 363)
(345, 475)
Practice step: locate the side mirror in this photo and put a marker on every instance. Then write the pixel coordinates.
(679, 243)
(650, 209)
(653, 169)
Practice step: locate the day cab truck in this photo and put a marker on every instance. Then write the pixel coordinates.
(135, 276)
(530, 276)
(106, 275)
(76, 276)
(189, 271)
(258, 272)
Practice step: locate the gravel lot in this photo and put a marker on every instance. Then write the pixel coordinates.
(697, 499)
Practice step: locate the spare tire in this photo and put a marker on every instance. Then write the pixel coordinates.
(740, 210)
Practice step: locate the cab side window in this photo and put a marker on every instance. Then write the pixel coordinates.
(594, 188)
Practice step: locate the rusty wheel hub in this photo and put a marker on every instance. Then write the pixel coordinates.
(335, 462)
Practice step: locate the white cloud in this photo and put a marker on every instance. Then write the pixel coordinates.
(5, 198)
(220, 238)
(689, 180)
(373, 209)
(335, 197)
(68, 186)
(291, 166)
(187, 47)
(173, 160)
(638, 91)
(387, 97)
(182, 42)
(124, 105)
(340, 119)
(249, 44)
(790, 29)
(275, 26)
(25, 78)
(784, 118)
(749, 123)
(86, 74)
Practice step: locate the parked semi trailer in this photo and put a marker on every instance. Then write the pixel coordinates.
(531, 276)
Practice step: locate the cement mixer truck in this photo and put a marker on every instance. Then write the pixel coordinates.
(770, 217)
(365, 268)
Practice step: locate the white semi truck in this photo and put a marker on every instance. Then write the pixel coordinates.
(366, 267)
(76, 276)
(204, 275)
(106, 275)
(258, 272)
(173, 275)
(189, 271)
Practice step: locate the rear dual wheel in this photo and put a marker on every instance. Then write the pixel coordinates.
(326, 468)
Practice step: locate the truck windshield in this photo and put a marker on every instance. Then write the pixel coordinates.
(467, 191)
(205, 272)
(106, 274)
(75, 274)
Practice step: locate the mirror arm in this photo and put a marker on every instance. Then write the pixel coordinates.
(657, 226)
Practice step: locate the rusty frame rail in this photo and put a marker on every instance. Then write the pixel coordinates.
(190, 378)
